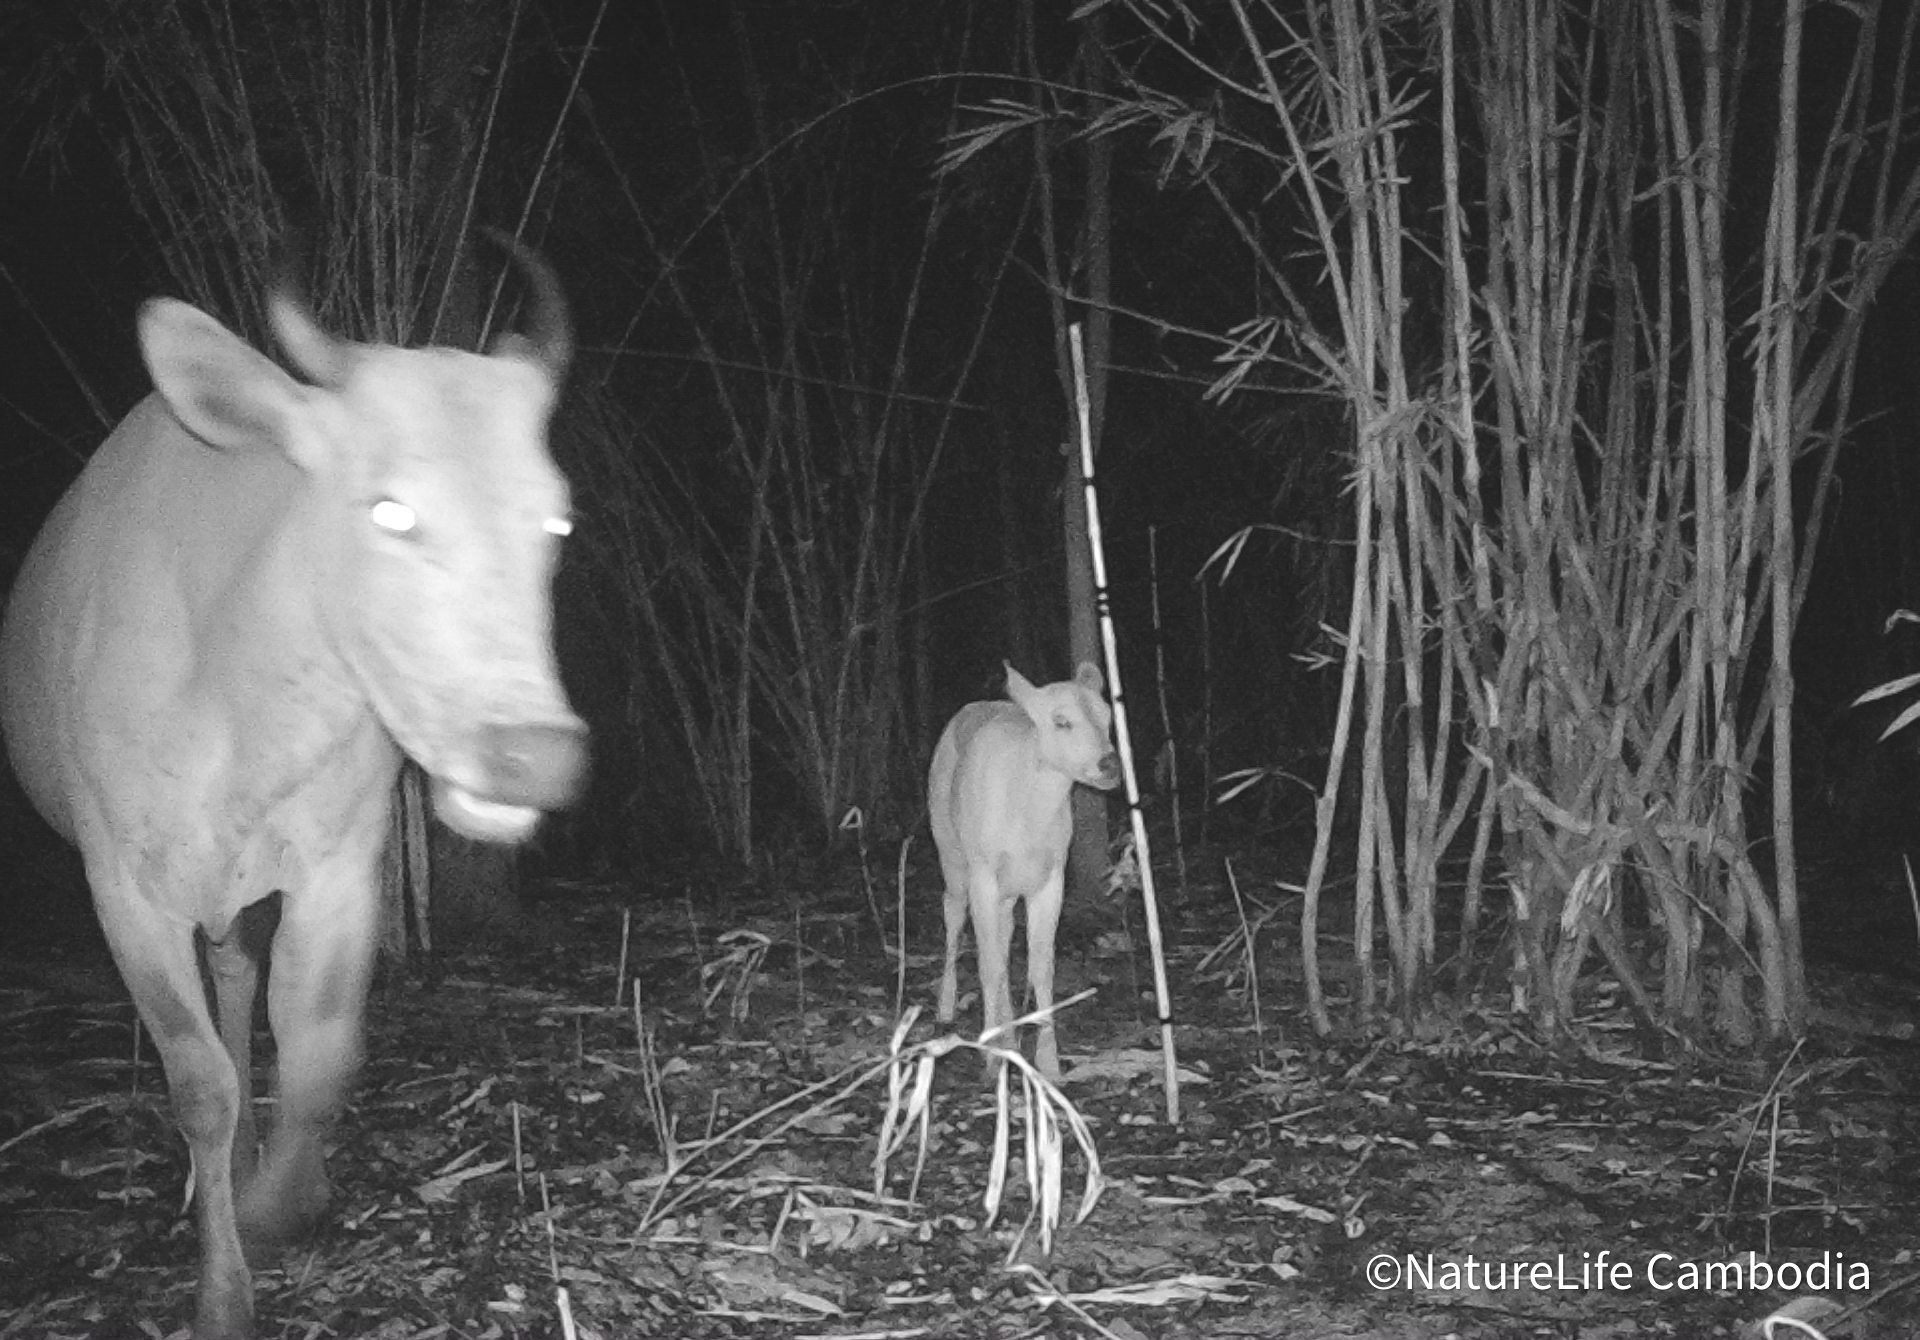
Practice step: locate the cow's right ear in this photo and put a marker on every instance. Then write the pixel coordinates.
(221, 388)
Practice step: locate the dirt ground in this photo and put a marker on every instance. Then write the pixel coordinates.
(503, 1154)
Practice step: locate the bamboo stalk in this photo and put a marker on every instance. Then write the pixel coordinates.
(1166, 716)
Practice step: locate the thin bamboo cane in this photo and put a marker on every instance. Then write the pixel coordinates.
(1122, 737)
(1166, 717)
(1779, 364)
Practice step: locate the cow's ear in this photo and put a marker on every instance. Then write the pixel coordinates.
(317, 356)
(220, 388)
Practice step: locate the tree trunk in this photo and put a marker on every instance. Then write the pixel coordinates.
(1087, 867)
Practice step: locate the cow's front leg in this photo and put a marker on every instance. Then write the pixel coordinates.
(316, 993)
(156, 953)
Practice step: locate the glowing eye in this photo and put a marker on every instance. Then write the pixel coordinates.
(396, 518)
(557, 525)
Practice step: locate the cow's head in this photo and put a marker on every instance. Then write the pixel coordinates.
(434, 516)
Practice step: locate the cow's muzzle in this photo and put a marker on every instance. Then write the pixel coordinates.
(523, 771)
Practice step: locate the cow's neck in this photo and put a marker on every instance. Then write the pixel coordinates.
(276, 673)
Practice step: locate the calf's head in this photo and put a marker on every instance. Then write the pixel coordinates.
(1074, 725)
(432, 515)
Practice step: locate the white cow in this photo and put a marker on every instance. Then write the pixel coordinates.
(257, 595)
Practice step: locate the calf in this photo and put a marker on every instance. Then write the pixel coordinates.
(999, 794)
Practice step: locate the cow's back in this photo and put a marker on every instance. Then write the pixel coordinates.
(97, 625)
(36, 642)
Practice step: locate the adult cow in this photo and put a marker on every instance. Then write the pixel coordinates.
(255, 597)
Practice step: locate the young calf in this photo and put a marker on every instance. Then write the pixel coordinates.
(998, 795)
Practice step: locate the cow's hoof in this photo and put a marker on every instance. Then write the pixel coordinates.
(224, 1310)
(278, 1212)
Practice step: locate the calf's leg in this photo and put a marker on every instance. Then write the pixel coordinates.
(1043, 920)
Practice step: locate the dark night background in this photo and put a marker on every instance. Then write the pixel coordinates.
(806, 333)
(835, 113)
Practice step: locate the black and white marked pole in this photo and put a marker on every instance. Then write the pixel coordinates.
(1122, 737)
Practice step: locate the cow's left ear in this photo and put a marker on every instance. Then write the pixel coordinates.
(222, 389)
(317, 356)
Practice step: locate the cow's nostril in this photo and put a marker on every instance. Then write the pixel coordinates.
(542, 766)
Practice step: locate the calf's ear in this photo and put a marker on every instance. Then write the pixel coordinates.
(1018, 685)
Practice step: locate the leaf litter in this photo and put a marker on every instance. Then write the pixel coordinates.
(746, 1153)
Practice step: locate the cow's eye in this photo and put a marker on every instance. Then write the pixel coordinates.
(396, 518)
